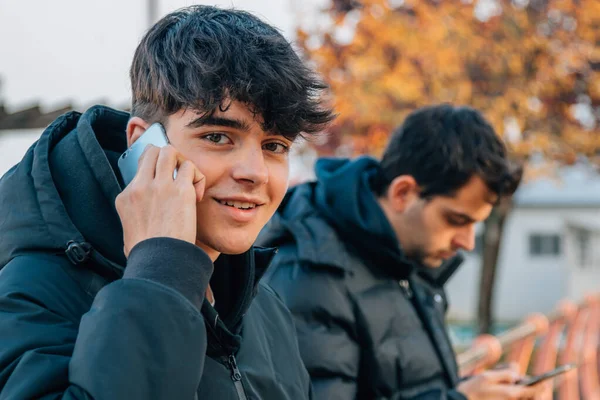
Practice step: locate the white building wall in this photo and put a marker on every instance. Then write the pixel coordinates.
(526, 283)
(585, 276)
(14, 145)
(583, 283)
(463, 290)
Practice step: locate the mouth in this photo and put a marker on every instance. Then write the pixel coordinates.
(240, 210)
(240, 204)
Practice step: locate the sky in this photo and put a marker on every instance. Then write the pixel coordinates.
(78, 52)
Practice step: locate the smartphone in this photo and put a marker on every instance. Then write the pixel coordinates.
(533, 380)
(128, 161)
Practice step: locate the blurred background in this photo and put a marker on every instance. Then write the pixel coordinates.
(532, 67)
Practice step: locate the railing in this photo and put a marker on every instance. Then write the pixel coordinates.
(541, 343)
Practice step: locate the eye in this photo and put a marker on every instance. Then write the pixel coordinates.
(276, 147)
(217, 138)
(456, 221)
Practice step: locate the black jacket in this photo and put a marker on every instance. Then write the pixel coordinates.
(370, 324)
(76, 324)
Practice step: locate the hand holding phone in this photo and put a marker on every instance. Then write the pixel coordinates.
(156, 136)
(534, 380)
(498, 384)
(154, 204)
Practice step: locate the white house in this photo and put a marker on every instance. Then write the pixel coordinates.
(14, 144)
(550, 249)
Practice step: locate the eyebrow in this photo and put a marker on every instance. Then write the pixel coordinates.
(212, 120)
(466, 217)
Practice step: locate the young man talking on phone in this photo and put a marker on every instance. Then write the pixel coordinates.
(150, 291)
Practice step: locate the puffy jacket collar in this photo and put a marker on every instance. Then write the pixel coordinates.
(43, 223)
(331, 220)
(298, 221)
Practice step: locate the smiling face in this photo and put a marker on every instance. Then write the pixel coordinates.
(246, 172)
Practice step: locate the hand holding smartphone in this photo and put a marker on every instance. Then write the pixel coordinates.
(128, 162)
(506, 382)
(534, 380)
(158, 202)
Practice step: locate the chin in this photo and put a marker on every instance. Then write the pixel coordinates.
(234, 250)
(234, 244)
(433, 263)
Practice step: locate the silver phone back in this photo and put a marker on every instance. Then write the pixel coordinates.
(128, 162)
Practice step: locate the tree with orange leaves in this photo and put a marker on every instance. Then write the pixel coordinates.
(531, 66)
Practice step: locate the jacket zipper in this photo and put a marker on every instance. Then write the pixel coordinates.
(236, 377)
(405, 286)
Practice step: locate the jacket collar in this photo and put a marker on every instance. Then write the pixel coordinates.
(224, 332)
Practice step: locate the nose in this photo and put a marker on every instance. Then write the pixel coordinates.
(250, 166)
(465, 239)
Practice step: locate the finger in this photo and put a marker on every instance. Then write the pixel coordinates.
(147, 163)
(189, 174)
(507, 375)
(143, 154)
(543, 386)
(199, 185)
(166, 163)
(514, 366)
(512, 391)
(185, 173)
(526, 392)
(501, 366)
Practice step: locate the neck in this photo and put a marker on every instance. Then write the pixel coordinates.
(210, 296)
(392, 217)
(212, 253)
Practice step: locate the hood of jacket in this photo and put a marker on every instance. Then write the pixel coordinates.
(339, 212)
(336, 213)
(60, 197)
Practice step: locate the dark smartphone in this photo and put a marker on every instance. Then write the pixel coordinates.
(533, 380)
(128, 162)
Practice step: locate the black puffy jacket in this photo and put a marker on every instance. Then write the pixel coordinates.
(370, 324)
(79, 321)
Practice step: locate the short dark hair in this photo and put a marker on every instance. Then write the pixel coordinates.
(442, 147)
(203, 57)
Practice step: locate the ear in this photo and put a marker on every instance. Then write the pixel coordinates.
(402, 192)
(135, 128)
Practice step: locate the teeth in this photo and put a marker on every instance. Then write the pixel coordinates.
(238, 204)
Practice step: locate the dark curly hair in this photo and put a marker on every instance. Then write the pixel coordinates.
(442, 147)
(203, 57)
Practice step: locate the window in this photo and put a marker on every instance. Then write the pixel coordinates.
(543, 244)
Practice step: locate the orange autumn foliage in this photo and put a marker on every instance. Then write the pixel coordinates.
(533, 69)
